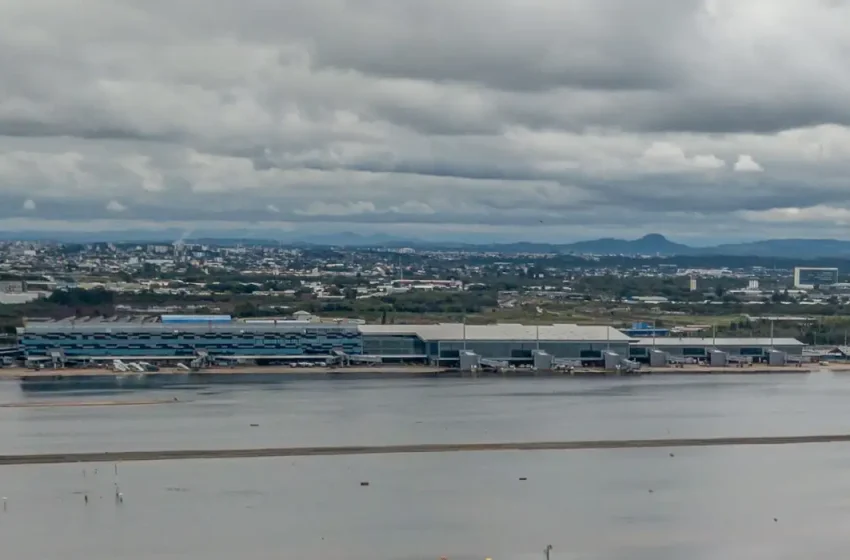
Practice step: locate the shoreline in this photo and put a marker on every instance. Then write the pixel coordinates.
(187, 454)
(16, 373)
(105, 379)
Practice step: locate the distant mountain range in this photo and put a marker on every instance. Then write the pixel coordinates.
(655, 244)
(652, 244)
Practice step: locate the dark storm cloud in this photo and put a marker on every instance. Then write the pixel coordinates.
(765, 113)
(684, 194)
(496, 171)
(25, 128)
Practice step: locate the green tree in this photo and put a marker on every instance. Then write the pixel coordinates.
(79, 297)
(246, 309)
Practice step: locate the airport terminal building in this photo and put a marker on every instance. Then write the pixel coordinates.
(174, 338)
(217, 339)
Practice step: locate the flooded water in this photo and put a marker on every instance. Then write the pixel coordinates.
(642, 504)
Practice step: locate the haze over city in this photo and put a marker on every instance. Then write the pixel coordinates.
(704, 120)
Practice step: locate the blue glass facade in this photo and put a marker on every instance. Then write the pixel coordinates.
(179, 342)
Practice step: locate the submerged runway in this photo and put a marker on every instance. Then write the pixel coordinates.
(164, 455)
(64, 404)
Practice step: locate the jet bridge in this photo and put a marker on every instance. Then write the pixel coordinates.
(659, 358)
(362, 359)
(57, 357)
(469, 361)
(718, 358)
(542, 360)
(776, 357)
(611, 360)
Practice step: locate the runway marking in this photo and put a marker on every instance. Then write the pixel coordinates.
(183, 454)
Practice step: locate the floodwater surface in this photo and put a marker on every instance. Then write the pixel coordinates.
(643, 504)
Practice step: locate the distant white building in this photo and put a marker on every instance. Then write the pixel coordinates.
(302, 316)
(11, 286)
(429, 284)
(15, 298)
(650, 299)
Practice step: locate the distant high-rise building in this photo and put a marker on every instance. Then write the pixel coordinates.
(753, 285)
(693, 284)
(806, 277)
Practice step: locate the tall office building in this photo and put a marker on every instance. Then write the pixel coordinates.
(807, 277)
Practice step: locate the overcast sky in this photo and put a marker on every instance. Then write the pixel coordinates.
(532, 119)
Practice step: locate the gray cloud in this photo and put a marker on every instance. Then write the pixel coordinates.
(376, 114)
(600, 45)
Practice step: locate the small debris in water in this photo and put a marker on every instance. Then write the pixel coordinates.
(672, 455)
(775, 520)
(254, 425)
(523, 478)
(650, 490)
(364, 483)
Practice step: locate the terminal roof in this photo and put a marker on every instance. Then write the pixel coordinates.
(501, 332)
(719, 341)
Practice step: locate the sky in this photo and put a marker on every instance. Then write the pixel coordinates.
(545, 120)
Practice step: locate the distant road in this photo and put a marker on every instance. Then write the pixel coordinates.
(121, 456)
